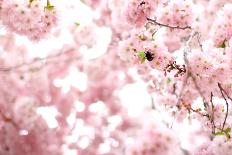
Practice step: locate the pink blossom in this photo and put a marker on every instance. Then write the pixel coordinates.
(137, 11)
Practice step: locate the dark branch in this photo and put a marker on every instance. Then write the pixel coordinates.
(168, 26)
(181, 70)
(8, 120)
(223, 92)
(212, 116)
(199, 42)
(195, 81)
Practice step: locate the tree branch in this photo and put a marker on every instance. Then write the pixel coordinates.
(168, 26)
(8, 120)
(212, 116)
(223, 92)
(194, 80)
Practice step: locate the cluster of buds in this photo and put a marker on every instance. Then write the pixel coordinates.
(173, 66)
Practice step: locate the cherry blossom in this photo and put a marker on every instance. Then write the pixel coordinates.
(115, 77)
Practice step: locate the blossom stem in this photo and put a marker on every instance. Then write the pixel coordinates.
(168, 26)
(223, 92)
(212, 116)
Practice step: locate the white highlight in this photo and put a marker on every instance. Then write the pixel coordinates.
(79, 106)
(103, 36)
(49, 115)
(99, 106)
(23, 132)
(135, 98)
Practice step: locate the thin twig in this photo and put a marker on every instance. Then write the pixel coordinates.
(195, 80)
(189, 69)
(189, 72)
(8, 120)
(212, 116)
(223, 92)
(199, 42)
(174, 88)
(168, 26)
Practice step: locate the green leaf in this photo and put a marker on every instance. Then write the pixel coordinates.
(77, 24)
(220, 133)
(227, 130)
(223, 45)
(169, 80)
(30, 2)
(49, 7)
(142, 56)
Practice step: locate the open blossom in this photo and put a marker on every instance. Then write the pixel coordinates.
(221, 30)
(156, 54)
(172, 42)
(65, 101)
(219, 145)
(155, 140)
(210, 69)
(203, 150)
(167, 99)
(161, 56)
(130, 47)
(176, 13)
(29, 19)
(87, 32)
(137, 11)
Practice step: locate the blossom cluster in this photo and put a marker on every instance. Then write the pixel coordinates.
(31, 19)
(173, 58)
(222, 28)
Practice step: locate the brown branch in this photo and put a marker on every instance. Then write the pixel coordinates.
(223, 93)
(198, 112)
(212, 116)
(181, 70)
(174, 88)
(195, 81)
(190, 74)
(168, 26)
(8, 120)
(199, 42)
